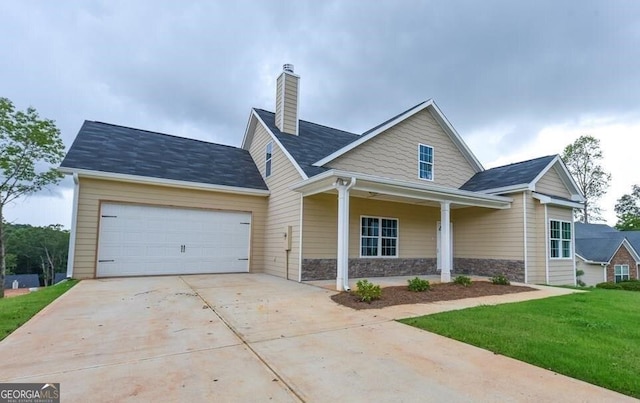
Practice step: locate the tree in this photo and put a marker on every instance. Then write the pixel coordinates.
(40, 250)
(29, 146)
(628, 210)
(583, 158)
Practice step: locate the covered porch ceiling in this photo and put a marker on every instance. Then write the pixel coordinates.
(386, 189)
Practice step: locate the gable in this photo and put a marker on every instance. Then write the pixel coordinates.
(394, 153)
(551, 184)
(313, 141)
(281, 165)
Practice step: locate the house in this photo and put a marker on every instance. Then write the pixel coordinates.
(305, 201)
(606, 254)
(58, 277)
(23, 281)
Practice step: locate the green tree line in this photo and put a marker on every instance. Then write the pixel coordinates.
(36, 250)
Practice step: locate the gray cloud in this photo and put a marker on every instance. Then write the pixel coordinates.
(195, 68)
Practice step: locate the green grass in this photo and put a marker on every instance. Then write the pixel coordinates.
(16, 311)
(592, 336)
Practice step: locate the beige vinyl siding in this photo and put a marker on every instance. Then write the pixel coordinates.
(416, 226)
(320, 226)
(538, 258)
(394, 153)
(94, 191)
(282, 208)
(535, 249)
(561, 271)
(593, 273)
(291, 104)
(489, 234)
(551, 184)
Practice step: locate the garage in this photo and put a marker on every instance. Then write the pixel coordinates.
(139, 240)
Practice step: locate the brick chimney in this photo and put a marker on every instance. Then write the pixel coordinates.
(287, 100)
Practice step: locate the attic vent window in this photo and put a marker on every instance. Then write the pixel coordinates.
(425, 162)
(267, 159)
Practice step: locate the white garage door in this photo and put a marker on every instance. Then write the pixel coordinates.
(143, 240)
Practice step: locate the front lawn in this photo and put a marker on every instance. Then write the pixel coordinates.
(16, 311)
(592, 336)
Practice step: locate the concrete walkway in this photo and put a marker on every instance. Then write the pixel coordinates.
(252, 337)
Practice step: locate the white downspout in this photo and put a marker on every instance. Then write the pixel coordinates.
(342, 276)
(526, 261)
(546, 247)
(74, 224)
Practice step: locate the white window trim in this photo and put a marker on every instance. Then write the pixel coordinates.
(433, 162)
(570, 257)
(268, 160)
(380, 256)
(621, 266)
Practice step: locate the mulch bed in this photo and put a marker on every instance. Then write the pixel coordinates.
(400, 295)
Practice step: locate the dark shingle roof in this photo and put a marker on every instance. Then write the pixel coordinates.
(598, 242)
(634, 239)
(507, 175)
(110, 148)
(312, 143)
(24, 280)
(593, 230)
(58, 277)
(599, 249)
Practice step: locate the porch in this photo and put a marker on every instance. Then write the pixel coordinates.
(355, 225)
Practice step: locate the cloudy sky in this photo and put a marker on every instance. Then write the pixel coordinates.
(516, 79)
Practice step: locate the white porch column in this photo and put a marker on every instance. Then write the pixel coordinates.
(445, 242)
(342, 276)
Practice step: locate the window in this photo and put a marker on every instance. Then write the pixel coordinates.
(267, 160)
(621, 272)
(425, 162)
(378, 237)
(559, 239)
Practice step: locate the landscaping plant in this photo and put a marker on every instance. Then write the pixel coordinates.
(462, 280)
(627, 285)
(418, 285)
(500, 279)
(367, 291)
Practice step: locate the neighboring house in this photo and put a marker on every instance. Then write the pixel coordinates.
(58, 277)
(24, 280)
(606, 254)
(304, 201)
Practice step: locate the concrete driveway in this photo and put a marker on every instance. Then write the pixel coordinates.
(252, 337)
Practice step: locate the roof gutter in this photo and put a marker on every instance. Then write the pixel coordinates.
(86, 173)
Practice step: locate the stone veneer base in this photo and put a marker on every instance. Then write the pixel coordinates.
(325, 269)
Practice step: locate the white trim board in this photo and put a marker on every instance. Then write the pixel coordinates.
(86, 173)
(284, 150)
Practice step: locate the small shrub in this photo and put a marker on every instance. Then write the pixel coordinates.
(462, 280)
(367, 291)
(418, 285)
(630, 285)
(609, 285)
(500, 279)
